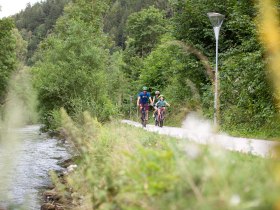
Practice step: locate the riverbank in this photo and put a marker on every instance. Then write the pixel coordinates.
(23, 178)
(58, 196)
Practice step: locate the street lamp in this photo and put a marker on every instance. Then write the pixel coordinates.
(217, 20)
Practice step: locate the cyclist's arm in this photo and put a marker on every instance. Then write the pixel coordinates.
(151, 101)
(167, 104)
(138, 100)
(156, 105)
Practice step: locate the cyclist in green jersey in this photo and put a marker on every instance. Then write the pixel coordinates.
(161, 104)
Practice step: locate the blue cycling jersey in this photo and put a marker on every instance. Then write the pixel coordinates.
(144, 97)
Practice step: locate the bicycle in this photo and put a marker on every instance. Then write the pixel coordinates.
(143, 116)
(159, 118)
(156, 118)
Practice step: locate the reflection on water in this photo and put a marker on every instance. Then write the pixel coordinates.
(28, 173)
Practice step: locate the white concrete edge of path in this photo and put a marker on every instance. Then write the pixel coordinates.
(263, 148)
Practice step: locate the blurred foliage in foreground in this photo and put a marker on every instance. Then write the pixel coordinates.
(127, 168)
(269, 28)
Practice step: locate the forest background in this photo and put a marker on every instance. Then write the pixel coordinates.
(96, 55)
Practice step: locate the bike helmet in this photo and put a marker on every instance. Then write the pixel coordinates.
(162, 96)
(157, 92)
(144, 88)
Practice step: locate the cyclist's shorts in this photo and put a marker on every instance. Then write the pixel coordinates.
(146, 106)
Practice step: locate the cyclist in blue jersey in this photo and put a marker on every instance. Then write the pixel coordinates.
(143, 101)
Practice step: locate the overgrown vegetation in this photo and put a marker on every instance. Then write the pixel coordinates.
(126, 168)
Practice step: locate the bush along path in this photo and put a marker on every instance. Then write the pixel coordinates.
(200, 131)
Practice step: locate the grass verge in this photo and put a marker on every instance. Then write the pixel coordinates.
(123, 167)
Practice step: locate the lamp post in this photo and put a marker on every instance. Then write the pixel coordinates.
(217, 20)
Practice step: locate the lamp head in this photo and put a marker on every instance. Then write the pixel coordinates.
(216, 19)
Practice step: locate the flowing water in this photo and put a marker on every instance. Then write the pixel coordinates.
(32, 158)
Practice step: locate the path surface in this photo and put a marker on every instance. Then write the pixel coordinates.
(201, 133)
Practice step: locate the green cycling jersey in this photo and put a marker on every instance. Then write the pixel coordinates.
(161, 103)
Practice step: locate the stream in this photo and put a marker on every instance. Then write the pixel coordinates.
(24, 168)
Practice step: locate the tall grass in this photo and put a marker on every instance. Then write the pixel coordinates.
(123, 167)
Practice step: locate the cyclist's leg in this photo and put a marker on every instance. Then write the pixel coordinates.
(147, 111)
(144, 117)
(163, 112)
(155, 111)
(160, 119)
(158, 113)
(141, 111)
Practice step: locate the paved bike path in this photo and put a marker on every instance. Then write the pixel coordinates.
(263, 148)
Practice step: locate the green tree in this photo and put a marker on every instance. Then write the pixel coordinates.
(177, 73)
(144, 29)
(72, 70)
(191, 24)
(37, 21)
(21, 46)
(116, 18)
(246, 97)
(7, 54)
